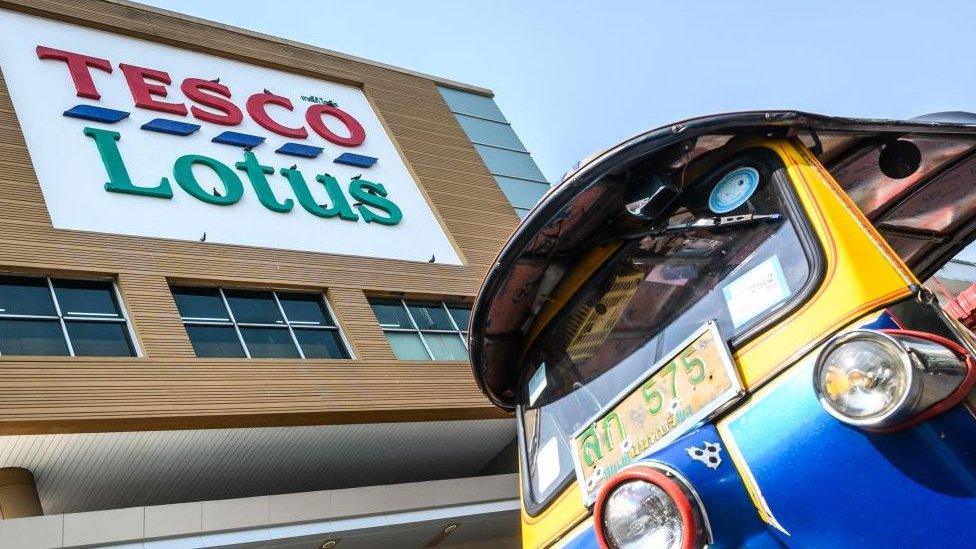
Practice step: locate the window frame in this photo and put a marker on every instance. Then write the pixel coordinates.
(63, 318)
(287, 324)
(461, 332)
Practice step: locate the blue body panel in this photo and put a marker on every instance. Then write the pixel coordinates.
(585, 540)
(829, 484)
(732, 516)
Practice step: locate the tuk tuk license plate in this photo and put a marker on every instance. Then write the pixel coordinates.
(686, 387)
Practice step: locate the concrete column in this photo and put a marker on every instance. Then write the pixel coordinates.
(18, 494)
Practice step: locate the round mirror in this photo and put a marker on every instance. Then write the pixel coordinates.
(899, 159)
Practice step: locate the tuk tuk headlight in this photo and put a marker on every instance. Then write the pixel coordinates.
(645, 507)
(879, 380)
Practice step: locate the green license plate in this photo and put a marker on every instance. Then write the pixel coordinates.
(683, 390)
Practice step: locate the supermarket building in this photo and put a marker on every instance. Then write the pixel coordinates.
(235, 275)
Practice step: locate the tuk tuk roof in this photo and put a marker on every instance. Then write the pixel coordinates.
(520, 279)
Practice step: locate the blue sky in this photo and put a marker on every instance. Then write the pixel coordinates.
(574, 77)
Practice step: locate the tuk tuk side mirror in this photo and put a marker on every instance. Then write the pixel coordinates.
(649, 197)
(899, 158)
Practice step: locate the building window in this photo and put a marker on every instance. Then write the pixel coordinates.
(259, 324)
(55, 317)
(424, 330)
(517, 175)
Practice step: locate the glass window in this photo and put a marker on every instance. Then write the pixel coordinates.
(391, 314)
(90, 338)
(55, 317)
(521, 193)
(499, 147)
(305, 309)
(487, 132)
(215, 341)
(430, 316)
(26, 296)
(407, 346)
(237, 323)
(446, 346)
(32, 337)
(424, 330)
(250, 307)
(472, 104)
(321, 343)
(200, 304)
(510, 163)
(86, 298)
(461, 317)
(269, 342)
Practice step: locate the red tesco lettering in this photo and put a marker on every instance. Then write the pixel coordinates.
(195, 89)
(211, 101)
(78, 69)
(257, 108)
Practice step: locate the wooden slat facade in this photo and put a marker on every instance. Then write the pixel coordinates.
(167, 387)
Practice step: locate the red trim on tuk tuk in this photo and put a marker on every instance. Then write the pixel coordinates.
(689, 524)
(954, 397)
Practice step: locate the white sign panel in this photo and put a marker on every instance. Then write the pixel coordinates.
(136, 138)
(758, 290)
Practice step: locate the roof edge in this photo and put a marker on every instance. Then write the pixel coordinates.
(294, 43)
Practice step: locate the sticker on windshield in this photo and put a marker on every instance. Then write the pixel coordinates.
(547, 465)
(537, 384)
(756, 291)
(733, 190)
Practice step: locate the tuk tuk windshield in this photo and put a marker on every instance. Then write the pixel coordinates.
(648, 298)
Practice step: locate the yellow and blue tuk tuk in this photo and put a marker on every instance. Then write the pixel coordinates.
(745, 330)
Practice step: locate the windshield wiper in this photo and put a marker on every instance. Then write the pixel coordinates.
(704, 223)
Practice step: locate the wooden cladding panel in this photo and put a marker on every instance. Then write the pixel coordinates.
(153, 315)
(356, 317)
(168, 387)
(110, 394)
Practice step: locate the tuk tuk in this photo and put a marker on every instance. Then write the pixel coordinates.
(732, 332)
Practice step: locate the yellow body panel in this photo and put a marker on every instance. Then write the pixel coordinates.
(553, 523)
(860, 274)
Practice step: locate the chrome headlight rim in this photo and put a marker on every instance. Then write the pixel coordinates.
(893, 414)
(695, 525)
